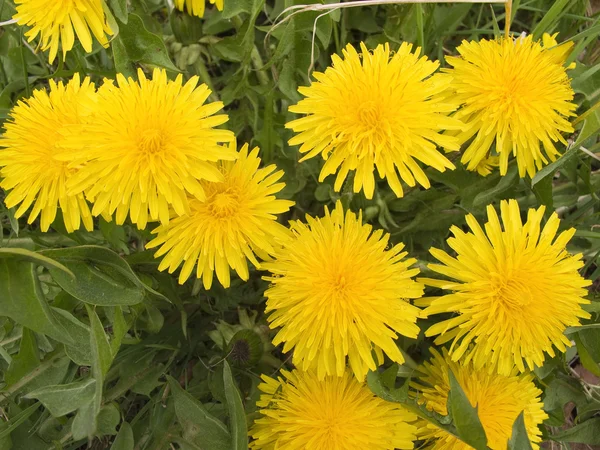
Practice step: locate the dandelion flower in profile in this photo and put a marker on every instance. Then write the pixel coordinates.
(377, 110)
(513, 291)
(237, 220)
(151, 143)
(338, 293)
(35, 163)
(514, 93)
(196, 7)
(59, 21)
(300, 411)
(499, 400)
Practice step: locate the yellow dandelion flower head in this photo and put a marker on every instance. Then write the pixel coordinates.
(514, 291)
(377, 110)
(35, 163)
(514, 93)
(196, 7)
(337, 292)
(58, 21)
(237, 220)
(499, 400)
(301, 411)
(150, 144)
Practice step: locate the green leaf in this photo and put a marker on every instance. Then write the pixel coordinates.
(85, 423)
(591, 125)
(120, 328)
(107, 262)
(237, 416)
(14, 222)
(101, 276)
(506, 182)
(551, 169)
(464, 416)
(234, 7)
(22, 254)
(543, 192)
(519, 439)
(101, 351)
(81, 352)
(101, 361)
(65, 398)
(124, 439)
(25, 361)
(119, 9)
(22, 300)
(108, 419)
(584, 433)
(18, 419)
(546, 25)
(377, 383)
(198, 424)
(135, 44)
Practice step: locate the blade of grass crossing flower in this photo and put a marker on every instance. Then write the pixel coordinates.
(519, 439)
(464, 416)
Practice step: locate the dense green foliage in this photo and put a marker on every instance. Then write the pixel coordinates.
(96, 344)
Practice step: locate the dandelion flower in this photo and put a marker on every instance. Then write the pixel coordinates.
(196, 7)
(58, 21)
(337, 292)
(149, 146)
(300, 411)
(513, 292)
(375, 110)
(515, 93)
(35, 163)
(499, 400)
(237, 220)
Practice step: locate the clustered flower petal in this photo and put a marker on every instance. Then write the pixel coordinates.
(35, 161)
(59, 21)
(301, 411)
(375, 110)
(514, 93)
(237, 220)
(150, 145)
(513, 290)
(338, 293)
(499, 400)
(196, 7)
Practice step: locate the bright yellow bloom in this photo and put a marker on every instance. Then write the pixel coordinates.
(55, 20)
(196, 7)
(237, 220)
(35, 163)
(499, 400)
(150, 144)
(516, 93)
(514, 291)
(337, 292)
(377, 110)
(303, 412)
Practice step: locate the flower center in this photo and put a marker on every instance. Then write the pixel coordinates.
(225, 203)
(152, 141)
(369, 114)
(512, 292)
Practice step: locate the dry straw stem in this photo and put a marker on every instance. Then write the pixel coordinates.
(331, 7)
